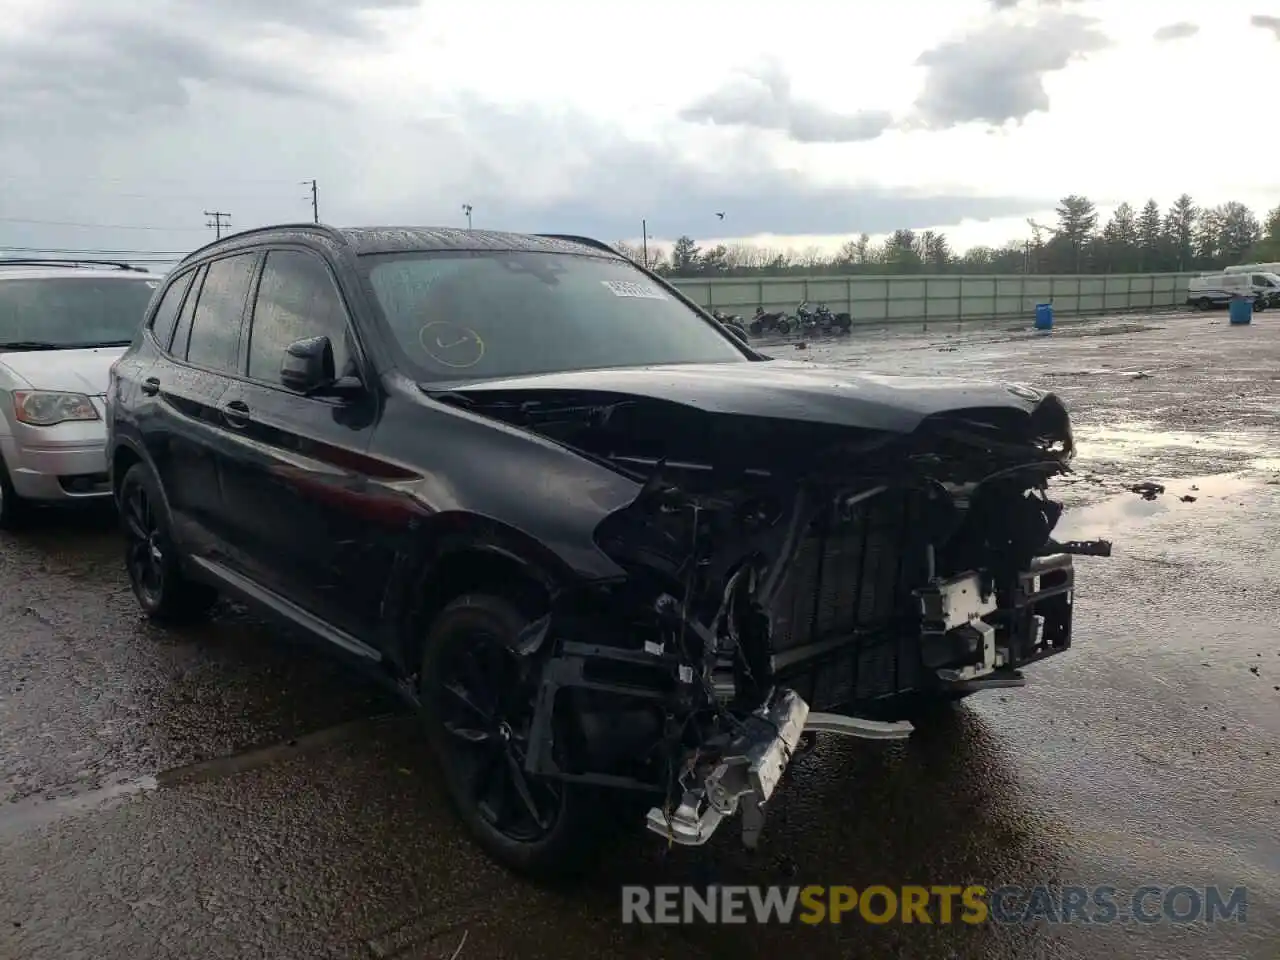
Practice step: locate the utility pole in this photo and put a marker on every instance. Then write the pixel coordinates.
(466, 208)
(217, 220)
(644, 242)
(314, 198)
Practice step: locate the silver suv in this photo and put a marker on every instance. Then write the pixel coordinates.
(62, 325)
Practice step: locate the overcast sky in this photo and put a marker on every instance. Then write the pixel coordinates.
(806, 121)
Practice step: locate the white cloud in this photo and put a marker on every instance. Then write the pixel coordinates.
(1176, 31)
(995, 73)
(567, 115)
(1264, 21)
(761, 98)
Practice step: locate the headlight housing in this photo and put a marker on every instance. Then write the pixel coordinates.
(44, 408)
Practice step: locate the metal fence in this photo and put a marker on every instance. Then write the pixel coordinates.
(907, 298)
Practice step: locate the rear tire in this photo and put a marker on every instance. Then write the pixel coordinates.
(478, 692)
(164, 591)
(14, 510)
(783, 327)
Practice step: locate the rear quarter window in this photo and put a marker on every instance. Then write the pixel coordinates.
(166, 316)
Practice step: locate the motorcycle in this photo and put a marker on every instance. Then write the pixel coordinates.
(833, 322)
(764, 323)
(732, 322)
(806, 317)
(820, 319)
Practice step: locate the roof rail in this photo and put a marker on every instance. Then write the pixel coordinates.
(62, 262)
(333, 233)
(585, 241)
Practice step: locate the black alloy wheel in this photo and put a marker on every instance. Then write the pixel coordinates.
(151, 559)
(144, 545)
(480, 684)
(486, 709)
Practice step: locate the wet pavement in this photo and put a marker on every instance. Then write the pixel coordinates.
(226, 792)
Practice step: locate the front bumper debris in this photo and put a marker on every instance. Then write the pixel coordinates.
(860, 728)
(744, 779)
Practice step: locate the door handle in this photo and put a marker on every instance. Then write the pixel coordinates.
(236, 414)
(151, 386)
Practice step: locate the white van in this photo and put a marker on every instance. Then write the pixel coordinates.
(1217, 289)
(1253, 268)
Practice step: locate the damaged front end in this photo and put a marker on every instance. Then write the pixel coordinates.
(785, 576)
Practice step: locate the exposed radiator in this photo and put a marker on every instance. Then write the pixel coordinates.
(849, 591)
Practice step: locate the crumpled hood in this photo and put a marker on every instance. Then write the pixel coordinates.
(779, 389)
(73, 371)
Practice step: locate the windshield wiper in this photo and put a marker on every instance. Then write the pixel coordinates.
(47, 345)
(31, 345)
(446, 396)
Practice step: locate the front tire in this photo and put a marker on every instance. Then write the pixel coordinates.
(163, 589)
(478, 692)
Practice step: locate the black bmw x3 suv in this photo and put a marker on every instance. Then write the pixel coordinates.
(600, 544)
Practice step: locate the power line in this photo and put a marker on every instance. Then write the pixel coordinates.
(95, 192)
(97, 251)
(96, 226)
(42, 178)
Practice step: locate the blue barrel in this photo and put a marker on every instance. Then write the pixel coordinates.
(1044, 316)
(1241, 310)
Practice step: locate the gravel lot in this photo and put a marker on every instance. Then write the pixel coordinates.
(224, 792)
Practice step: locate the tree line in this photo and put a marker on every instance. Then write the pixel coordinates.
(1184, 238)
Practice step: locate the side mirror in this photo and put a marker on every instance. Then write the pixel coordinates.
(307, 364)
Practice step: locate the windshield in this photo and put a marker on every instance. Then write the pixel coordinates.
(489, 314)
(72, 311)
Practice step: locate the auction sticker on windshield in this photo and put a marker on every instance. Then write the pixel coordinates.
(451, 345)
(629, 288)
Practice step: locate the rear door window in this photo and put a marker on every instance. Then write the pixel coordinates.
(297, 299)
(215, 328)
(166, 317)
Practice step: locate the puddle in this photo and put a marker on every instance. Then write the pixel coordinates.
(1104, 518)
(1136, 435)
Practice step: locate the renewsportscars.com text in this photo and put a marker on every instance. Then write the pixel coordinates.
(937, 904)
